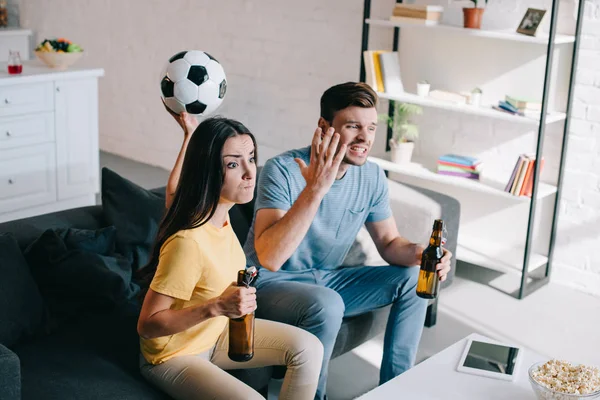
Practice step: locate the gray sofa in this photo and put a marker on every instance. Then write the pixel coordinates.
(96, 354)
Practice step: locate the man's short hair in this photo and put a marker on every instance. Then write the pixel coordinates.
(345, 95)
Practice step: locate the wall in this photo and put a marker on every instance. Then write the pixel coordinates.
(279, 56)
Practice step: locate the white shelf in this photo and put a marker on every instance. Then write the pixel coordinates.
(489, 254)
(492, 34)
(485, 111)
(423, 169)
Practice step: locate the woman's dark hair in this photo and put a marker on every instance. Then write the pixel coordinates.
(199, 188)
(344, 95)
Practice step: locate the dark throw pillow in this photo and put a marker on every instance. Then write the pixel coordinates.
(135, 212)
(21, 305)
(78, 274)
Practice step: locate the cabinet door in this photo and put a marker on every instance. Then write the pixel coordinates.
(76, 109)
(27, 177)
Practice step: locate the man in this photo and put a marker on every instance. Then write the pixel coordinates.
(310, 205)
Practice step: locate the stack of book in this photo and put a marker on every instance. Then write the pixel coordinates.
(521, 180)
(417, 14)
(462, 166)
(519, 106)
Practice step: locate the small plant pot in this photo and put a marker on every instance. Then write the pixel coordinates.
(401, 152)
(473, 17)
(475, 99)
(423, 89)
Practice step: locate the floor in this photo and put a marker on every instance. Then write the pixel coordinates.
(556, 321)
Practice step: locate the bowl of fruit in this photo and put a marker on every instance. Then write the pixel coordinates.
(58, 53)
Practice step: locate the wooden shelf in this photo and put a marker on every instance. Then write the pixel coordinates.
(491, 34)
(483, 110)
(488, 254)
(425, 169)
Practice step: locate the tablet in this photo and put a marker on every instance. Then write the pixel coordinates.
(490, 359)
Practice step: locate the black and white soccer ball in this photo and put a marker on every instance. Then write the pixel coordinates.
(193, 81)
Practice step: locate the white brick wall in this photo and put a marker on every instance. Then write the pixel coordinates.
(279, 56)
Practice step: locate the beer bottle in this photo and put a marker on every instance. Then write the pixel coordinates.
(428, 284)
(241, 330)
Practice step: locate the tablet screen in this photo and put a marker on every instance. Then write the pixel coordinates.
(491, 357)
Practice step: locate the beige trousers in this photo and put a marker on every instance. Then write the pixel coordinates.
(202, 376)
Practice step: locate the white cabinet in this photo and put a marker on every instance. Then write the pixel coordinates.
(48, 140)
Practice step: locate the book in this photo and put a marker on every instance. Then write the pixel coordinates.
(369, 69)
(520, 162)
(519, 182)
(460, 160)
(417, 21)
(472, 168)
(523, 104)
(430, 12)
(508, 107)
(390, 71)
(512, 176)
(378, 75)
(419, 7)
(529, 187)
(460, 174)
(457, 169)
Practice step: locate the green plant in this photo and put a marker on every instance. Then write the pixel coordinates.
(403, 130)
(476, 2)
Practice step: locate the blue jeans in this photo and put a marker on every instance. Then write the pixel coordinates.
(317, 300)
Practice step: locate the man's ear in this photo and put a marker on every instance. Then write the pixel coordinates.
(323, 124)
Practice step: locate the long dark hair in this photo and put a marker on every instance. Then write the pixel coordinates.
(199, 188)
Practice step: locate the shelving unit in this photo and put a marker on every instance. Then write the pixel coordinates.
(492, 34)
(474, 248)
(485, 111)
(423, 169)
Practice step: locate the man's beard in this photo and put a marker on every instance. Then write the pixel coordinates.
(358, 163)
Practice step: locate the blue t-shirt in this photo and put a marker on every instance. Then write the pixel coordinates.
(360, 196)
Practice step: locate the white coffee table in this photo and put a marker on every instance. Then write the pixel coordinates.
(437, 378)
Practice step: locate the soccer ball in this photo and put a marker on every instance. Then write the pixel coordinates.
(193, 81)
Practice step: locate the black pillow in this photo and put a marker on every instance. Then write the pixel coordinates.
(135, 212)
(21, 305)
(77, 274)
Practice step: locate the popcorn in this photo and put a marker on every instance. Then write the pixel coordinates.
(563, 377)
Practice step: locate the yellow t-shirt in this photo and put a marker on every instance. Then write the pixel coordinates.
(194, 266)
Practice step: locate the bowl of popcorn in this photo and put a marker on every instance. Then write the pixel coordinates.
(561, 380)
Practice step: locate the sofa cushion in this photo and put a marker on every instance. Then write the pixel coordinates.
(93, 358)
(78, 273)
(135, 212)
(21, 305)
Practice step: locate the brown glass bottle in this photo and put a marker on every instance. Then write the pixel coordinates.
(241, 332)
(428, 284)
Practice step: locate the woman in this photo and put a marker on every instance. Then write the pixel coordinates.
(183, 324)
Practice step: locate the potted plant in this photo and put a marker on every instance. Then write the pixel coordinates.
(404, 132)
(475, 98)
(473, 15)
(423, 88)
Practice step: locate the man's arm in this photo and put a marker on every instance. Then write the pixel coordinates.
(396, 250)
(189, 124)
(278, 233)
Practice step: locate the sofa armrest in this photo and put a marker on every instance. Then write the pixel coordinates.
(414, 210)
(10, 375)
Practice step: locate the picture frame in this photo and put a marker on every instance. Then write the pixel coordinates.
(531, 21)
